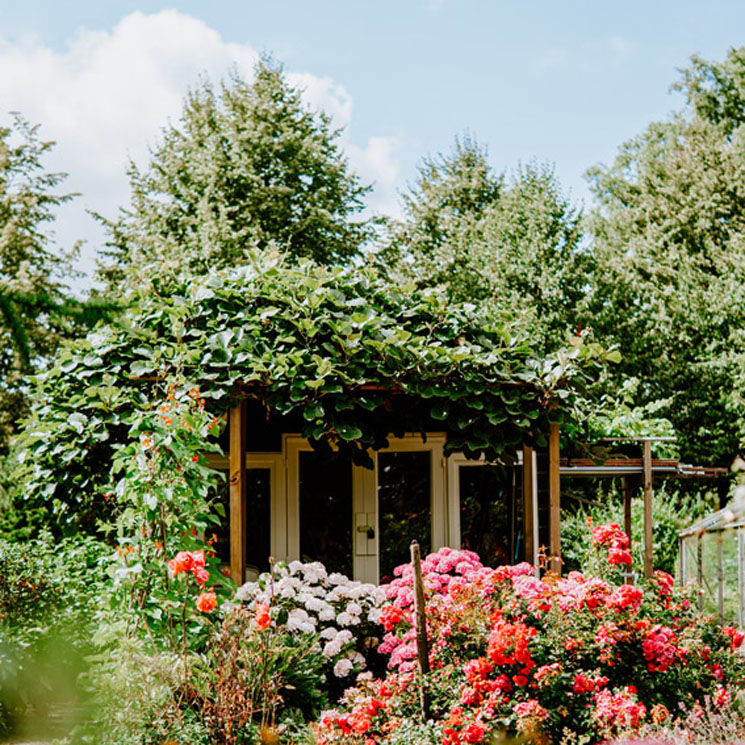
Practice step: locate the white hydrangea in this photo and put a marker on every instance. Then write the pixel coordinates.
(299, 620)
(346, 619)
(329, 605)
(354, 609)
(342, 668)
(332, 648)
(344, 636)
(327, 614)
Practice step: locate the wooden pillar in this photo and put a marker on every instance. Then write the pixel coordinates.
(626, 490)
(648, 563)
(237, 424)
(554, 497)
(528, 497)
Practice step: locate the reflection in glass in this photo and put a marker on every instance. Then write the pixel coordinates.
(326, 511)
(404, 507)
(487, 513)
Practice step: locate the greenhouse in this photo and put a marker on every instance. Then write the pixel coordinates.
(712, 554)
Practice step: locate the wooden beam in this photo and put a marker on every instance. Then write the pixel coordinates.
(528, 497)
(237, 425)
(554, 497)
(648, 548)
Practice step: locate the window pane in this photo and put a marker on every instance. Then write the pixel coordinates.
(258, 516)
(486, 513)
(404, 507)
(326, 511)
(258, 505)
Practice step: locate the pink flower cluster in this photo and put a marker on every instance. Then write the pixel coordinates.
(442, 573)
(538, 655)
(612, 538)
(660, 648)
(620, 710)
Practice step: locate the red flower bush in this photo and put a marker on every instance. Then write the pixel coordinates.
(537, 657)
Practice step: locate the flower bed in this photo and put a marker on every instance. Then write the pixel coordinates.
(343, 613)
(582, 656)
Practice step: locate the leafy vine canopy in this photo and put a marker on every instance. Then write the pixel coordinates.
(349, 357)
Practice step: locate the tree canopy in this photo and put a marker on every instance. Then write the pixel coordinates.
(668, 235)
(35, 311)
(248, 165)
(513, 242)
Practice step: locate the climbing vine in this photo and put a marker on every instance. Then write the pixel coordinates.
(353, 359)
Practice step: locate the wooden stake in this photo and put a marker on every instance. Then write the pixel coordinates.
(237, 424)
(420, 617)
(626, 490)
(648, 548)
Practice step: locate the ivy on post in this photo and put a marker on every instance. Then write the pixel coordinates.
(420, 618)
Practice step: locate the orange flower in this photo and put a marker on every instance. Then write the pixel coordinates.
(207, 602)
(182, 562)
(263, 617)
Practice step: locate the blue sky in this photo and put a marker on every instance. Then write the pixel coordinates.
(563, 82)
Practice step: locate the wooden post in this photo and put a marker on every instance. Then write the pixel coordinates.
(720, 579)
(554, 497)
(420, 618)
(626, 490)
(648, 547)
(237, 424)
(740, 578)
(528, 497)
(700, 572)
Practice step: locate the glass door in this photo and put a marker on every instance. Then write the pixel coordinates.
(359, 521)
(486, 510)
(319, 507)
(409, 496)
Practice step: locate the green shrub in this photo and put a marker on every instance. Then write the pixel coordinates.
(48, 597)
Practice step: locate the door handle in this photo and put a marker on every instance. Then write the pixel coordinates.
(366, 529)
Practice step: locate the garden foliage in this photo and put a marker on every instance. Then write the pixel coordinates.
(352, 359)
(49, 594)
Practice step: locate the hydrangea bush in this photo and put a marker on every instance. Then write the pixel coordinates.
(584, 656)
(343, 613)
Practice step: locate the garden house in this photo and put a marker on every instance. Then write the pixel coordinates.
(359, 417)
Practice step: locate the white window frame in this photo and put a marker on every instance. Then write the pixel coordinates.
(285, 495)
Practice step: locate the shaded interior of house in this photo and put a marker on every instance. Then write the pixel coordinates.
(300, 503)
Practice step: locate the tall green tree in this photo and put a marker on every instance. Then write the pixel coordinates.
(35, 310)
(668, 236)
(249, 165)
(513, 242)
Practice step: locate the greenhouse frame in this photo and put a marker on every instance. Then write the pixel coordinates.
(712, 555)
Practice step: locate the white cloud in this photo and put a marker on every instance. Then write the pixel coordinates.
(377, 163)
(105, 97)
